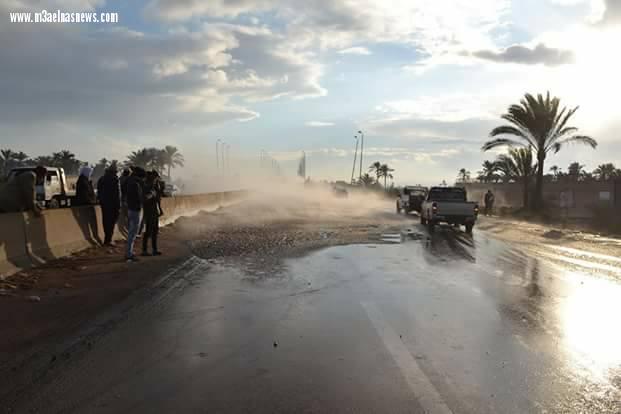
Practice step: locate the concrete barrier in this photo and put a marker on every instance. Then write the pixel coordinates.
(58, 233)
(13, 254)
(27, 240)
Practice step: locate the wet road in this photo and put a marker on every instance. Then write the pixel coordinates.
(410, 323)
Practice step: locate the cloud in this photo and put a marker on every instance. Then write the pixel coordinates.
(431, 26)
(540, 54)
(355, 51)
(318, 124)
(119, 79)
(612, 13)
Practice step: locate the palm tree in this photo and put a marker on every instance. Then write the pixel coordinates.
(606, 171)
(141, 158)
(100, 168)
(385, 171)
(576, 172)
(488, 173)
(172, 158)
(20, 158)
(6, 156)
(518, 164)
(376, 166)
(463, 176)
(556, 172)
(541, 125)
(366, 180)
(66, 160)
(43, 160)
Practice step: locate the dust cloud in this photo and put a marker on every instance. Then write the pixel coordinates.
(284, 215)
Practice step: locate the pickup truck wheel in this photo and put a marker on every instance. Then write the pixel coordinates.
(53, 203)
(469, 228)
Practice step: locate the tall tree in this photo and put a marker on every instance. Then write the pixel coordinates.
(518, 165)
(140, 158)
(366, 180)
(20, 158)
(44, 160)
(172, 158)
(66, 160)
(541, 125)
(463, 176)
(375, 167)
(576, 171)
(488, 173)
(556, 172)
(605, 172)
(6, 158)
(385, 172)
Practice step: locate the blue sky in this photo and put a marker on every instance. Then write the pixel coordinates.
(425, 81)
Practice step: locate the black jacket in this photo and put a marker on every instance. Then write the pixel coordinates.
(108, 191)
(84, 192)
(134, 193)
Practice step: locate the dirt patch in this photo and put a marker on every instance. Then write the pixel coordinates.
(526, 232)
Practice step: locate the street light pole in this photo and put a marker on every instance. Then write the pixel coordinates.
(353, 168)
(228, 159)
(218, 154)
(361, 151)
(224, 144)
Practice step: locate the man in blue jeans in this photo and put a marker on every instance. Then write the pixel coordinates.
(133, 194)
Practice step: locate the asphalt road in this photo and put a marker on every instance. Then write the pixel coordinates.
(413, 323)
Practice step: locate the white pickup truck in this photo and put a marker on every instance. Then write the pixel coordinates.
(448, 205)
(56, 191)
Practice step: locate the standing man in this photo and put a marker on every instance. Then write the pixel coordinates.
(20, 193)
(134, 197)
(84, 191)
(152, 213)
(109, 192)
(489, 202)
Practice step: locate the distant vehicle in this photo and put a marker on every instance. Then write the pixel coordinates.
(339, 192)
(170, 190)
(57, 190)
(448, 205)
(411, 199)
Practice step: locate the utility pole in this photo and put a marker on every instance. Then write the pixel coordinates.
(218, 154)
(228, 159)
(353, 168)
(361, 151)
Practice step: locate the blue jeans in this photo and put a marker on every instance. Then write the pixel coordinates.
(133, 221)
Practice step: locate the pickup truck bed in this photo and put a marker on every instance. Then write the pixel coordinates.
(448, 205)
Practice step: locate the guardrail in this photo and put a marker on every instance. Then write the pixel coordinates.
(27, 240)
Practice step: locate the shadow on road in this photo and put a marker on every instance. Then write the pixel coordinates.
(450, 243)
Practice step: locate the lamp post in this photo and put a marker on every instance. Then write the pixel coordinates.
(218, 154)
(361, 151)
(228, 159)
(353, 168)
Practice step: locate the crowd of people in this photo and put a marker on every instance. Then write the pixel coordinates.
(133, 198)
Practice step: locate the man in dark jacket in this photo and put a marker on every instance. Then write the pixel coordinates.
(84, 191)
(109, 193)
(152, 213)
(134, 199)
(489, 202)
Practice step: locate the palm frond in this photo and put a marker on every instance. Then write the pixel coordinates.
(576, 139)
(500, 142)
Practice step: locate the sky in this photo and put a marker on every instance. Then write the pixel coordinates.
(425, 81)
